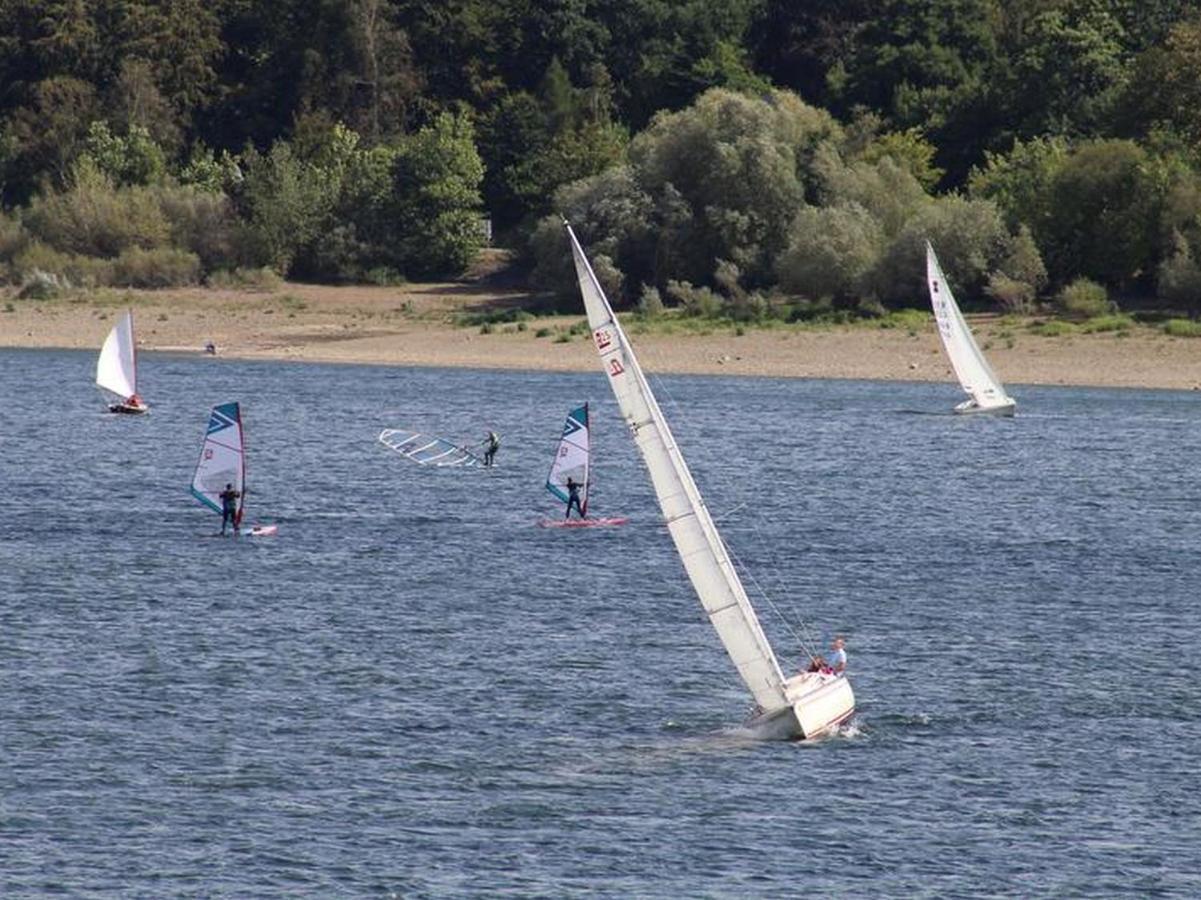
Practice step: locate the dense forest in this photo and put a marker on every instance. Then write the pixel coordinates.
(740, 158)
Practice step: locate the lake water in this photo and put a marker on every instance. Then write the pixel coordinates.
(413, 691)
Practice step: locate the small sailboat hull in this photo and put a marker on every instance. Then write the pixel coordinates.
(127, 409)
(972, 408)
(600, 522)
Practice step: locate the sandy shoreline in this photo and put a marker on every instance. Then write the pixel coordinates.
(415, 325)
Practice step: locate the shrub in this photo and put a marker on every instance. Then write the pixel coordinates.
(650, 304)
(1179, 280)
(203, 222)
(1054, 328)
(1116, 322)
(158, 268)
(13, 238)
(262, 279)
(1011, 295)
(542, 332)
(71, 269)
(701, 302)
(1084, 299)
(93, 218)
(1182, 328)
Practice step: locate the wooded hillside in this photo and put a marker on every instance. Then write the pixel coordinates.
(746, 157)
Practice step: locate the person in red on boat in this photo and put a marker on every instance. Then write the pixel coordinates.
(134, 400)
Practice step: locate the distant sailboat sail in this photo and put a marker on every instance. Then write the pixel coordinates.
(571, 458)
(804, 705)
(223, 462)
(975, 374)
(428, 451)
(117, 366)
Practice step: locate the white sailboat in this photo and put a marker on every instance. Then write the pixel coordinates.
(221, 470)
(117, 367)
(976, 376)
(572, 467)
(804, 705)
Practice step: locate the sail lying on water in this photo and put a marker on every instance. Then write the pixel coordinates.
(426, 450)
(975, 374)
(222, 459)
(572, 459)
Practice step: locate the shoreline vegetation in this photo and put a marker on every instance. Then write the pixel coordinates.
(477, 325)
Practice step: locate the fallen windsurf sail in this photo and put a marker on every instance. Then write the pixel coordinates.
(427, 450)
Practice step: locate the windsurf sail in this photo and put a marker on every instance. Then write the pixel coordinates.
(117, 367)
(426, 450)
(975, 375)
(222, 459)
(572, 459)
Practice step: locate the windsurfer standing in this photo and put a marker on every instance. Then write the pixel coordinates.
(229, 508)
(573, 498)
(491, 445)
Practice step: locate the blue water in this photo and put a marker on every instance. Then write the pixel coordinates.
(413, 691)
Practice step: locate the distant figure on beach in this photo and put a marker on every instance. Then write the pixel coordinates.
(491, 445)
(229, 508)
(573, 497)
(210, 348)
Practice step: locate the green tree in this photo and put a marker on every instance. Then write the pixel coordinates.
(436, 198)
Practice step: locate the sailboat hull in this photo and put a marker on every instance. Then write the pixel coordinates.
(126, 409)
(971, 408)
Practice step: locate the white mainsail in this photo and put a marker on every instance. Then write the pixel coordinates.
(222, 459)
(700, 546)
(975, 375)
(426, 450)
(572, 459)
(117, 367)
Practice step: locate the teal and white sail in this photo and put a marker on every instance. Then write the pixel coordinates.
(428, 451)
(572, 459)
(222, 459)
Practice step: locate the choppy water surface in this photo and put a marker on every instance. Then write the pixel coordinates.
(414, 691)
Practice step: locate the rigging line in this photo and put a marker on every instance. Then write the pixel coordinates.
(771, 603)
(777, 576)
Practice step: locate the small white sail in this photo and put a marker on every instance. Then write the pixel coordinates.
(975, 375)
(700, 546)
(222, 459)
(572, 459)
(117, 367)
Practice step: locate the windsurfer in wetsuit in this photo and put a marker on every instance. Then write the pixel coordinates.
(229, 508)
(573, 498)
(491, 445)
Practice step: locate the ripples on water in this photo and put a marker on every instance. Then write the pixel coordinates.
(412, 691)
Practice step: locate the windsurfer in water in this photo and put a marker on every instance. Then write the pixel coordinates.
(491, 445)
(229, 508)
(573, 498)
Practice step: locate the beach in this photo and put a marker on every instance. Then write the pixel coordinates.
(423, 325)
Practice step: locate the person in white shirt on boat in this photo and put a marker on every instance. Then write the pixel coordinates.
(837, 661)
(836, 664)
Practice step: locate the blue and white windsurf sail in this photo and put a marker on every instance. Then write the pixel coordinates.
(222, 459)
(572, 459)
(428, 451)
